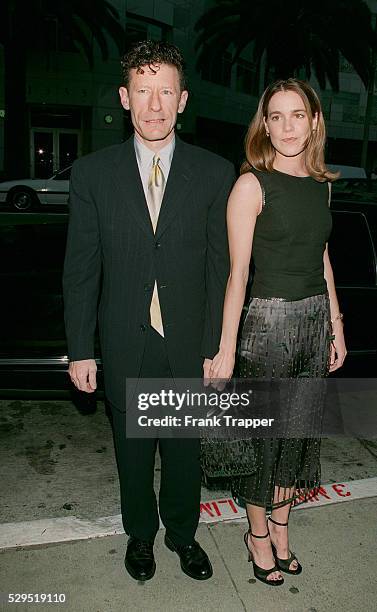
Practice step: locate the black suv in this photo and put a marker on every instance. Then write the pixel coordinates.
(353, 247)
(33, 352)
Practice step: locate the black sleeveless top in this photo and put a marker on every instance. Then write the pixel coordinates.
(290, 236)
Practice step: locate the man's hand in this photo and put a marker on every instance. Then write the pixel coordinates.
(83, 374)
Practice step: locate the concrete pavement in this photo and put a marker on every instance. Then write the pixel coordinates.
(336, 544)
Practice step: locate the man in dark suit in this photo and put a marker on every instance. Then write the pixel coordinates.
(147, 239)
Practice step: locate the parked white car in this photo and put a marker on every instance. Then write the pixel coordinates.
(348, 171)
(26, 194)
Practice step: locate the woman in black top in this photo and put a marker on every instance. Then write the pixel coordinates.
(278, 212)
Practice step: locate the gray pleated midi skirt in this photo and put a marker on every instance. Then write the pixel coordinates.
(289, 340)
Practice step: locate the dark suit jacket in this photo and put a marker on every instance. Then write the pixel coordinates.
(113, 258)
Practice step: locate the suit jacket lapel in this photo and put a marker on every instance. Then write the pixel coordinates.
(128, 181)
(177, 187)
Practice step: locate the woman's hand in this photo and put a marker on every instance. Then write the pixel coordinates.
(338, 350)
(221, 369)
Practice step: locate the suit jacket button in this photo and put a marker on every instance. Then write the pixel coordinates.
(143, 327)
(157, 245)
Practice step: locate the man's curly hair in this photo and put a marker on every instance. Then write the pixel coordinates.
(149, 53)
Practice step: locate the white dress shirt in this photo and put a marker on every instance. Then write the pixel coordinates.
(145, 156)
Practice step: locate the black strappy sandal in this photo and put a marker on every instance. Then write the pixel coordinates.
(260, 573)
(283, 564)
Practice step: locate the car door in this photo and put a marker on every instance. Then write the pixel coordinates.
(57, 188)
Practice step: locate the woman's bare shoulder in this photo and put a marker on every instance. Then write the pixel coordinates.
(247, 188)
(248, 180)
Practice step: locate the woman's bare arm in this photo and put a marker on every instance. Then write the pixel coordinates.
(244, 205)
(338, 347)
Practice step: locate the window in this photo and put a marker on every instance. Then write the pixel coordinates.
(55, 116)
(351, 250)
(218, 70)
(31, 308)
(32, 249)
(135, 32)
(345, 66)
(245, 75)
(138, 29)
(53, 36)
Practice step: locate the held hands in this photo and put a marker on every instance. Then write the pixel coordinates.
(219, 370)
(83, 374)
(338, 347)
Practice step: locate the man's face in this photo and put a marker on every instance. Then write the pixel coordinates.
(154, 99)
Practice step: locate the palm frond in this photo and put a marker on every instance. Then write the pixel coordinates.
(293, 35)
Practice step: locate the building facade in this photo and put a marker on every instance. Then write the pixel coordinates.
(74, 109)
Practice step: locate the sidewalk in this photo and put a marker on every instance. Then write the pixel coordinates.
(56, 463)
(336, 545)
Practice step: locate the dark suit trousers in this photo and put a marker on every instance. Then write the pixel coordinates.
(179, 495)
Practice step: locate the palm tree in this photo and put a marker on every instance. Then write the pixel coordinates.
(290, 38)
(22, 29)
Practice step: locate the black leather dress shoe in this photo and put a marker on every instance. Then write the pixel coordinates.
(139, 559)
(194, 561)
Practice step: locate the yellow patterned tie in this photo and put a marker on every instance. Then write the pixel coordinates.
(156, 185)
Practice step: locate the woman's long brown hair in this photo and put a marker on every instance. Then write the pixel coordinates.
(260, 153)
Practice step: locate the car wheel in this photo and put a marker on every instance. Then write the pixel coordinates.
(22, 199)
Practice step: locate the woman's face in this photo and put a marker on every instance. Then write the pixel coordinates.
(288, 123)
